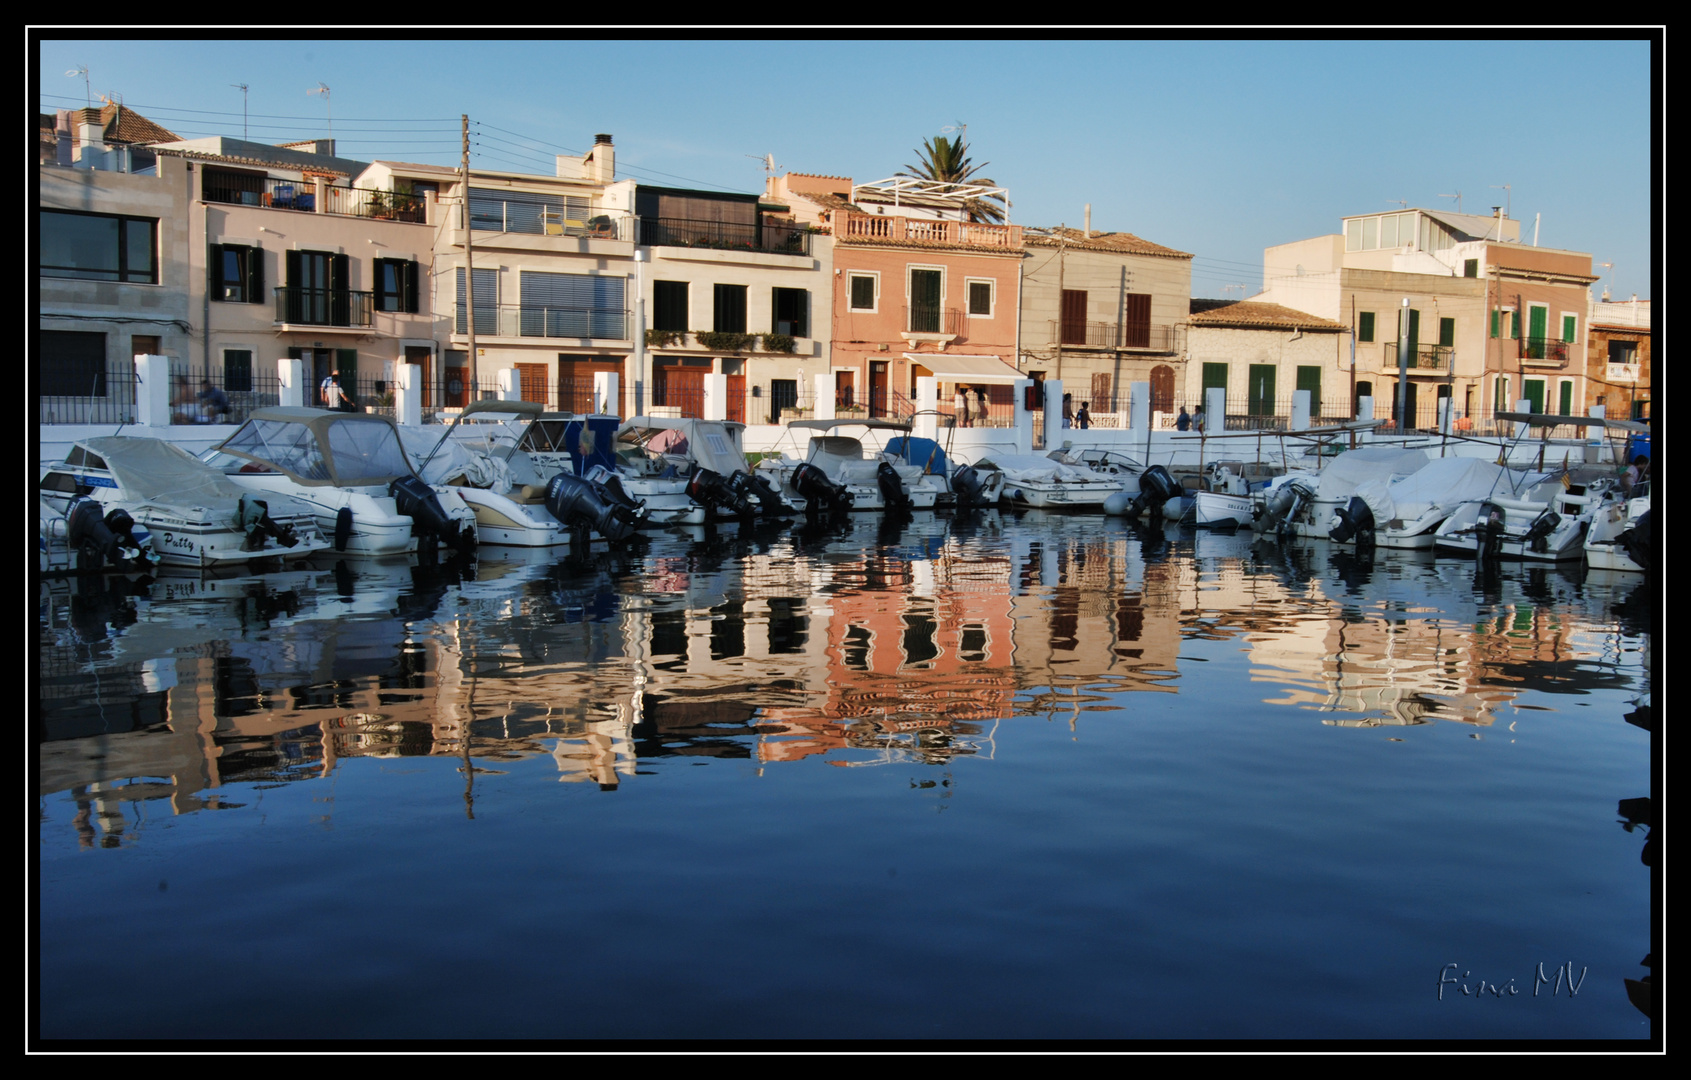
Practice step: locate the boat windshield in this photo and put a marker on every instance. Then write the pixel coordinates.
(288, 446)
(355, 452)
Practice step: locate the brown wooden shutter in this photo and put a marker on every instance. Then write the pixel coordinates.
(1074, 317)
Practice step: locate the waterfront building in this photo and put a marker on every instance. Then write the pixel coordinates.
(1101, 311)
(1619, 373)
(1489, 320)
(1260, 354)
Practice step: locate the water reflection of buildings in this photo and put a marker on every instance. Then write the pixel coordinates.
(767, 647)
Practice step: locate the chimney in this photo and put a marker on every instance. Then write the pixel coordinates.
(600, 166)
(64, 136)
(1088, 221)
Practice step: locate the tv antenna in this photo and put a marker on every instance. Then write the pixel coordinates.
(1457, 197)
(87, 90)
(1610, 267)
(1402, 203)
(768, 163)
(242, 87)
(962, 130)
(324, 90)
(1225, 289)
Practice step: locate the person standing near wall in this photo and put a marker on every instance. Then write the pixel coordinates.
(331, 394)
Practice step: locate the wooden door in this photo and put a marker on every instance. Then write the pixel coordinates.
(877, 388)
(422, 359)
(531, 379)
(1162, 388)
(737, 398)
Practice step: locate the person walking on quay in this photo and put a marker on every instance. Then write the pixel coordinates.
(330, 391)
(1084, 416)
(1183, 422)
(1068, 410)
(1198, 420)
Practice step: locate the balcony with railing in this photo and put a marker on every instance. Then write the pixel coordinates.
(725, 235)
(324, 307)
(568, 218)
(506, 320)
(1112, 335)
(872, 227)
(934, 319)
(245, 189)
(1545, 352)
(1423, 359)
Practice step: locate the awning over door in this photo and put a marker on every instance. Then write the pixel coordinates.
(952, 368)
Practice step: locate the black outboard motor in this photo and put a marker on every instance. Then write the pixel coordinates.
(253, 515)
(1156, 487)
(762, 492)
(892, 487)
(710, 490)
(1542, 526)
(107, 538)
(1355, 521)
(417, 501)
(1639, 542)
(1488, 532)
(969, 488)
(821, 494)
(580, 503)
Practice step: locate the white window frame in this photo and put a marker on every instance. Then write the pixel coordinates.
(873, 275)
(991, 297)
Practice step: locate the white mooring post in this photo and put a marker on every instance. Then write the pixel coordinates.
(290, 370)
(1300, 410)
(716, 397)
(510, 385)
(1054, 433)
(824, 396)
(927, 406)
(1024, 416)
(152, 396)
(605, 391)
(407, 401)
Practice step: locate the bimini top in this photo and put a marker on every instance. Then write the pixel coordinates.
(155, 471)
(865, 422)
(714, 444)
(320, 448)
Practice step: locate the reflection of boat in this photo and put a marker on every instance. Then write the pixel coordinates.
(874, 479)
(1051, 482)
(195, 515)
(478, 457)
(350, 469)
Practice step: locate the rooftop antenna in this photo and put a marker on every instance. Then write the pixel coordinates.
(1225, 289)
(1457, 197)
(1507, 196)
(1402, 203)
(242, 87)
(768, 164)
(87, 90)
(324, 90)
(962, 130)
(1610, 267)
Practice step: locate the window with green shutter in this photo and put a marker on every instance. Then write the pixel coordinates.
(862, 292)
(1568, 327)
(1215, 375)
(237, 370)
(1471, 268)
(1447, 332)
(1365, 326)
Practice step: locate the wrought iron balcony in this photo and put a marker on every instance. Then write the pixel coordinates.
(1424, 358)
(1109, 335)
(1544, 352)
(323, 307)
(933, 319)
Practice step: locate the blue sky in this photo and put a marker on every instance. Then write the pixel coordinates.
(1219, 148)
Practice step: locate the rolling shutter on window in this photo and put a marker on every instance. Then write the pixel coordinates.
(486, 302)
(572, 305)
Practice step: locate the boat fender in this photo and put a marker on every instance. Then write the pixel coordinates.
(892, 488)
(343, 527)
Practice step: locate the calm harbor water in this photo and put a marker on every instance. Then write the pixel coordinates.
(975, 778)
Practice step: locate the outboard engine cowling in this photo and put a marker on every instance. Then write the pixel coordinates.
(892, 487)
(581, 503)
(1488, 532)
(820, 493)
(1638, 542)
(1281, 509)
(968, 486)
(1542, 526)
(102, 538)
(1156, 487)
(1356, 521)
(710, 490)
(769, 501)
(419, 502)
(253, 515)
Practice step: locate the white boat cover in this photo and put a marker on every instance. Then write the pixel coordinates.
(452, 460)
(1034, 469)
(1450, 482)
(156, 471)
(706, 442)
(1340, 477)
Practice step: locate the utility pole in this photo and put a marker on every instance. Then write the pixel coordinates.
(1402, 366)
(469, 257)
(1062, 247)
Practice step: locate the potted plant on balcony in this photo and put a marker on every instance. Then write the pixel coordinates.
(779, 343)
(662, 339)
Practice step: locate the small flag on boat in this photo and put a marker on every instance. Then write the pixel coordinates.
(1567, 481)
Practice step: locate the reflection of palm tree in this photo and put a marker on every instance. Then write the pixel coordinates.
(946, 161)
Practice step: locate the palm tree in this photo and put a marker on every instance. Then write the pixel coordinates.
(946, 161)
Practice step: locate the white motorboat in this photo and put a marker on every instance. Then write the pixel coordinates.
(700, 463)
(351, 472)
(839, 469)
(479, 457)
(1406, 512)
(1052, 482)
(962, 486)
(1620, 536)
(1307, 504)
(194, 515)
(1546, 522)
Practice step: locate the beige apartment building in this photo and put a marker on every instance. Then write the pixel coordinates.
(1488, 320)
